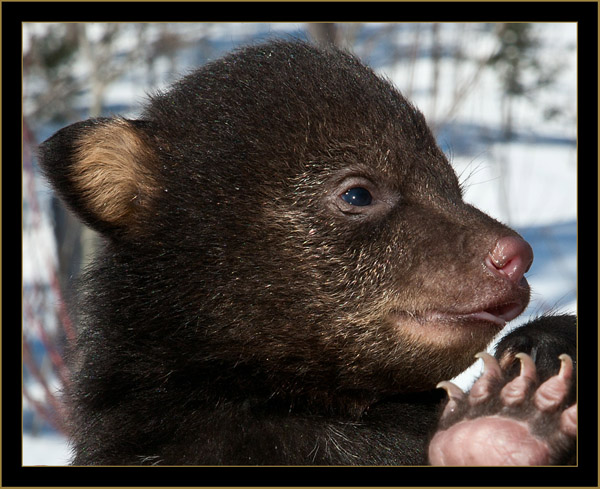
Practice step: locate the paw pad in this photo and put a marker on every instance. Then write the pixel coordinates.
(507, 421)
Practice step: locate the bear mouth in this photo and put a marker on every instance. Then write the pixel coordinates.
(498, 314)
(502, 313)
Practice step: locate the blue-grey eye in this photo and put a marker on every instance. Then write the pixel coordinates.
(358, 196)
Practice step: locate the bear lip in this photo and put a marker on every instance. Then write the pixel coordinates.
(498, 314)
(506, 312)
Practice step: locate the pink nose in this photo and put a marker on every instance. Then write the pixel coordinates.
(510, 258)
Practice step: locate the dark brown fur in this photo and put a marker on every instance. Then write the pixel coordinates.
(237, 313)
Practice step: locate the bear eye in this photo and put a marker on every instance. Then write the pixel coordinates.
(357, 196)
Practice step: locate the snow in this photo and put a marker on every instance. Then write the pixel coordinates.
(49, 449)
(529, 183)
(535, 172)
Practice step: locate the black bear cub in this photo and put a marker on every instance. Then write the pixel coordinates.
(288, 272)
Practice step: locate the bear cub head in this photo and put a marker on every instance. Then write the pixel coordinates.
(279, 225)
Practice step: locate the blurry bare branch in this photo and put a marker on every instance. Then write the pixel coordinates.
(67, 61)
(107, 60)
(324, 32)
(42, 302)
(436, 55)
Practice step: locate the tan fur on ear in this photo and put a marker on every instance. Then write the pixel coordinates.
(113, 170)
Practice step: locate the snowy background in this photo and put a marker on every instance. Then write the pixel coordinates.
(527, 180)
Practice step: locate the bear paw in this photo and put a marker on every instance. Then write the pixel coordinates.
(514, 422)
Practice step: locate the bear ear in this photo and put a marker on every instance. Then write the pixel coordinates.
(105, 170)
